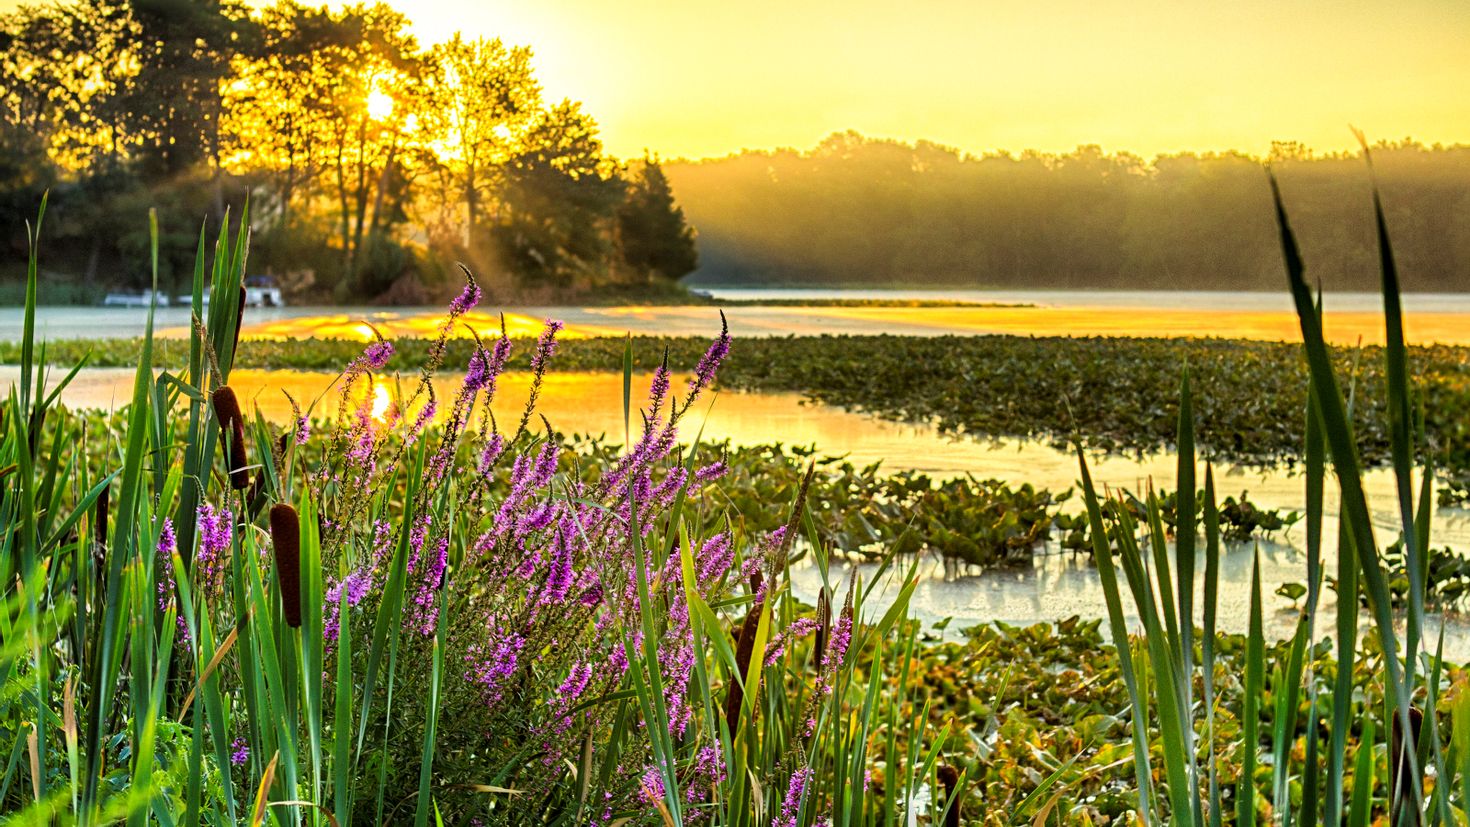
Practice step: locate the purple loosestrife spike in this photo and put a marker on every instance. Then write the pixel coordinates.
(232, 431)
(214, 542)
(286, 540)
(167, 545)
(467, 298)
(711, 472)
(492, 666)
(709, 364)
(652, 785)
(546, 345)
(240, 752)
(476, 373)
(791, 806)
(493, 449)
(373, 357)
(714, 559)
(303, 430)
(799, 628)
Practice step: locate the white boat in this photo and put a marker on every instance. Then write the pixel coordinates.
(139, 298)
(260, 291)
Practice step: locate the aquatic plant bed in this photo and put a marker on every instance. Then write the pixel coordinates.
(1114, 394)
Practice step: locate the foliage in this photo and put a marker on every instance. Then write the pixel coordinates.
(857, 211)
(379, 159)
(1409, 700)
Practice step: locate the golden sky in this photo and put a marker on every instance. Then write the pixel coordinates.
(708, 77)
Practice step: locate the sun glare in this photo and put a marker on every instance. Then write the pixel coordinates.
(381, 400)
(379, 105)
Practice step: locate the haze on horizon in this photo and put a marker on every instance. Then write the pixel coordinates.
(707, 79)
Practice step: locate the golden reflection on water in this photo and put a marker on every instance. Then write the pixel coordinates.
(392, 325)
(1341, 327)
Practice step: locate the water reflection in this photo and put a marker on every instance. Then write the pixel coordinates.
(1349, 318)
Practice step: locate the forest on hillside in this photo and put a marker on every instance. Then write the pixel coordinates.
(371, 163)
(858, 211)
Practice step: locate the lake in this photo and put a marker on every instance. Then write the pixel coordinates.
(1054, 586)
(1350, 317)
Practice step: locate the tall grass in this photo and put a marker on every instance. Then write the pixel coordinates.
(208, 621)
(1306, 748)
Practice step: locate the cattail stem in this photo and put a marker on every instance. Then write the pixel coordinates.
(1401, 780)
(950, 778)
(99, 516)
(286, 540)
(232, 431)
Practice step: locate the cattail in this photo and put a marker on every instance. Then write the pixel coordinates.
(1401, 779)
(824, 627)
(99, 517)
(744, 651)
(286, 540)
(232, 430)
(950, 778)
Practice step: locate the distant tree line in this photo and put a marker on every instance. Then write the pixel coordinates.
(371, 163)
(868, 212)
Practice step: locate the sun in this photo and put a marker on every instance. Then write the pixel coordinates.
(379, 105)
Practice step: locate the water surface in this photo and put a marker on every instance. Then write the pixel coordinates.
(1349, 317)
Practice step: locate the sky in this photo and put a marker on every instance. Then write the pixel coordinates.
(704, 78)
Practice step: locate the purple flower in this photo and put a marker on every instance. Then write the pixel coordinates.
(492, 666)
(559, 579)
(709, 767)
(475, 374)
(493, 448)
(799, 628)
(791, 806)
(546, 345)
(704, 372)
(373, 357)
(214, 542)
(711, 472)
(651, 786)
(466, 300)
(167, 545)
(357, 584)
(303, 430)
(714, 559)
(241, 752)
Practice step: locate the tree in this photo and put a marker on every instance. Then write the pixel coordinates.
(559, 203)
(656, 240)
(482, 104)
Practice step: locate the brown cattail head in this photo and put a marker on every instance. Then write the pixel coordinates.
(99, 517)
(1401, 777)
(744, 650)
(232, 431)
(286, 540)
(824, 627)
(950, 778)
